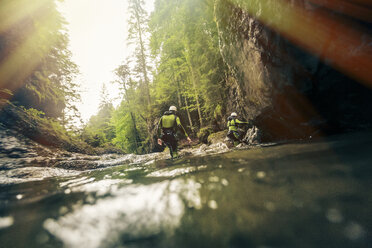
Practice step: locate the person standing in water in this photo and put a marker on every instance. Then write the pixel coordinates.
(232, 124)
(168, 125)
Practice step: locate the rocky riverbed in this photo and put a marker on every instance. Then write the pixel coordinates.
(25, 160)
(299, 194)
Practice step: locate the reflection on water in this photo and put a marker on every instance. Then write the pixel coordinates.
(294, 195)
(135, 211)
(6, 222)
(20, 175)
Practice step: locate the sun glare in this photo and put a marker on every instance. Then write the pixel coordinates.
(344, 45)
(97, 32)
(22, 55)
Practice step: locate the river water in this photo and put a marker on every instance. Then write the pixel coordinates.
(312, 194)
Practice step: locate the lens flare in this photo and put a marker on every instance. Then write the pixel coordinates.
(20, 56)
(341, 42)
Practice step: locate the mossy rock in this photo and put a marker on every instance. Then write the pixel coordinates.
(204, 133)
(217, 137)
(45, 131)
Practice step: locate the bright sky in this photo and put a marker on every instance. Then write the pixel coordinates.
(98, 31)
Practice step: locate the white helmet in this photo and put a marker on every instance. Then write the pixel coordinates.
(172, 108)
(234, 114)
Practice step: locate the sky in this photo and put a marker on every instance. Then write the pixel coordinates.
(98, 32)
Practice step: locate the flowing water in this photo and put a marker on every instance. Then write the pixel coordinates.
(314, 194)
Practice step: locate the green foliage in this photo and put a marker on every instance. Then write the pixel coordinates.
(185, 42)
(128, 130)
(34, 124)
(48, 124)
(99, 129)
(188, 72)
(4, 93)
(137, 35)
(34, 113)
(217, 111)
(204, 133)
(36, 63)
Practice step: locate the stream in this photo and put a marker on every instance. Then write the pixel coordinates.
(300, 194)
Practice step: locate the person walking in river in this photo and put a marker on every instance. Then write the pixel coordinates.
(232, 124)
(168, 125)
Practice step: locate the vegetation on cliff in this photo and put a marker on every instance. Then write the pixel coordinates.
(38, 91)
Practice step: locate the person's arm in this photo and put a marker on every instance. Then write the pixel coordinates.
(181, 127)
(159, 127)
(160, 142)
(241, 122)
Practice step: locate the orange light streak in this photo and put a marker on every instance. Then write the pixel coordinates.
(347, 8)
(341, 44)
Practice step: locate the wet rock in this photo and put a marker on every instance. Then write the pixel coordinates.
(288, 92)
(218, 137)
(78, 165)
(253, 136)
(14, 155)
(204, 133)
(18, 151)
(19, 122)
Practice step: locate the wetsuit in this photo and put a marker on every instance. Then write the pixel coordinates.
(233, 130)
(167, 129)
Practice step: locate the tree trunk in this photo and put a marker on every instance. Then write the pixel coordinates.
(143, 61)
(178, 94)
(193, 79)
(196, 95)
(137, 139)
(188, 114)
(146, 82)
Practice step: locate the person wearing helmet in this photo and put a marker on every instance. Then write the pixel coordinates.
(232, 123)
(167, 129)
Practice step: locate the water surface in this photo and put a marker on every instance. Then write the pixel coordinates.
(294, 195)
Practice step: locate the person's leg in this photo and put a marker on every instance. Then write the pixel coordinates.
(167, 140)
(230, 135)
(173, 145)
(236, 138)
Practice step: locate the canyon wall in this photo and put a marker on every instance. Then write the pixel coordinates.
(285, 88)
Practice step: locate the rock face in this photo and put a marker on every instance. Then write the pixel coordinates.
(43, 132)
(253, 136)
(287, 91)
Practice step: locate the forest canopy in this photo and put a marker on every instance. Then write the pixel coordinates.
(35, 64)
(176, 62)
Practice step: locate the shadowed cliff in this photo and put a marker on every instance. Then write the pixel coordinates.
(297, 83)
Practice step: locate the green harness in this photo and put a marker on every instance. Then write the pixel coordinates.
(168, 122)
(232, 125)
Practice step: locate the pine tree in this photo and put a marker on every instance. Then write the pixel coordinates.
(36, 64)
(124, 80)
(184, 41)
(138, 30)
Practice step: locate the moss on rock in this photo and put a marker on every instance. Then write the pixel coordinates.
(46, 131)
(204, 133)
(217, 137)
